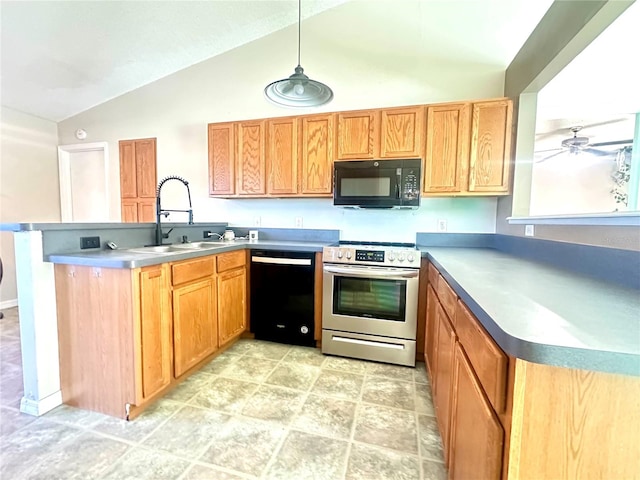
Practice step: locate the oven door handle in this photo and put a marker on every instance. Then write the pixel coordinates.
(369, 273)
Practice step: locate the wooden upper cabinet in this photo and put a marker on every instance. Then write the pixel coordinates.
(154, 318)
(222, 157)
(250, 164)
(446, 148)
(282, 156)
(138, 179)
(128, 170)
(401, 135)
(358, 135)
(316, 175)
(490, 153)
(477, 436)
(146, 167)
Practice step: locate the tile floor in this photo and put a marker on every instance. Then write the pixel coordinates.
(260, 410)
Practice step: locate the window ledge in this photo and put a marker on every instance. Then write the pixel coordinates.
(615, 219)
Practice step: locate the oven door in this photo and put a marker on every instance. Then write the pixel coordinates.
(372, 300)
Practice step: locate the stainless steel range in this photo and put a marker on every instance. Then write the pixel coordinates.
(370, 301)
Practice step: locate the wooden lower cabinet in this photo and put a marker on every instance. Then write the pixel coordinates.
(430, 329)
(445, 338)
(477, 436)
(194, 324)
(232, 320)
(153, 319)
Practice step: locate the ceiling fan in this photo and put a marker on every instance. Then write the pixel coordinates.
(576, 144)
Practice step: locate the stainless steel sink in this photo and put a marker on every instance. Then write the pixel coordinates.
(180, 247)
(194, 245)
(156, 249)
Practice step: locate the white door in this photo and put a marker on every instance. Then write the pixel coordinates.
(84, 182)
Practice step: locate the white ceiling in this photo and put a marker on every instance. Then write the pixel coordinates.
(61, 58)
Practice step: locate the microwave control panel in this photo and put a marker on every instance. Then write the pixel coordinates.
(410, 184)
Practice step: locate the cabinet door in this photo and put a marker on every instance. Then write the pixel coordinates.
(430, 332)
(129, 210)
(222, 159)
(146, 180)
(155, 330)
(128, 181)
(250, 165)
(490, 147)
(447, 148)
(147, 210)
(402, 132)
(477, 436)
(317, 155)
(232, 294)
(358, 135)
(446, 339)
(282, 156)
(194, 324)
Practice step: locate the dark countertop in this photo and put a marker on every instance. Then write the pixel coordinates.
(126, 258)
(544, 314)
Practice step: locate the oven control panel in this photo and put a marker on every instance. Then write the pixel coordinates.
(372, 255)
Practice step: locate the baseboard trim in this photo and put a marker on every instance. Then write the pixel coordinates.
(40, 407)
(9, 304)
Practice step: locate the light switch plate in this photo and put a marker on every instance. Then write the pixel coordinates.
(528, 230)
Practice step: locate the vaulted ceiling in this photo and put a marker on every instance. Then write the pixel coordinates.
(63, 57)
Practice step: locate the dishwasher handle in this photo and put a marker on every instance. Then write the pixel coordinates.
(282, 261)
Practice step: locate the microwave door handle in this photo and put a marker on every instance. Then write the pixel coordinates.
(367, 273)
(398, 183)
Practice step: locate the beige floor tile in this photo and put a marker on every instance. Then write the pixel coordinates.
(253, 369)
(291, 375)
(387, 427)
(200, 472)
(367, 463)
(430, 442)
(339, 384)
(389, 392)
(244, 445)
(143, 464)
(276, 404)
(11, 419)
(305, 355)
(187, 433)
(306, 456)
(326, 416)
(434, 470)
(225, 394)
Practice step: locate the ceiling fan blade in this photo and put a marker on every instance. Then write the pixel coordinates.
(599, 153)
(548, 150)
(585, 126)
(549, 157)
(607, 144)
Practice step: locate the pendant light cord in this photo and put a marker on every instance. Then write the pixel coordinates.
(299, 22)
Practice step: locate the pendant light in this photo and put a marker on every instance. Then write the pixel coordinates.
(298, 90)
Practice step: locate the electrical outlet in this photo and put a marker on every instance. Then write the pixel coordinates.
(528, 230)
(256, 221)
(442, 225)
(298, 222)
(89, 242)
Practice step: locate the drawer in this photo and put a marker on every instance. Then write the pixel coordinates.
(433, 276)
(448, 298)
(230, 260)
(189, 270)
(488, 360)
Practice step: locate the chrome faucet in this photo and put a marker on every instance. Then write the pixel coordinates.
(160, 212)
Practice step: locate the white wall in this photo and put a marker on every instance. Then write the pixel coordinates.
(362, 74)
(29, 189)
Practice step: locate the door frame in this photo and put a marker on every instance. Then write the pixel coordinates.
(64, 171)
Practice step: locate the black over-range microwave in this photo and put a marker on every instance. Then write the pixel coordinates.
(377, 183)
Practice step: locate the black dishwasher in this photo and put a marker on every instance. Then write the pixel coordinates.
(282, 288)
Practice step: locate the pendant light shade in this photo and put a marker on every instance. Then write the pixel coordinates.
(298, 90)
